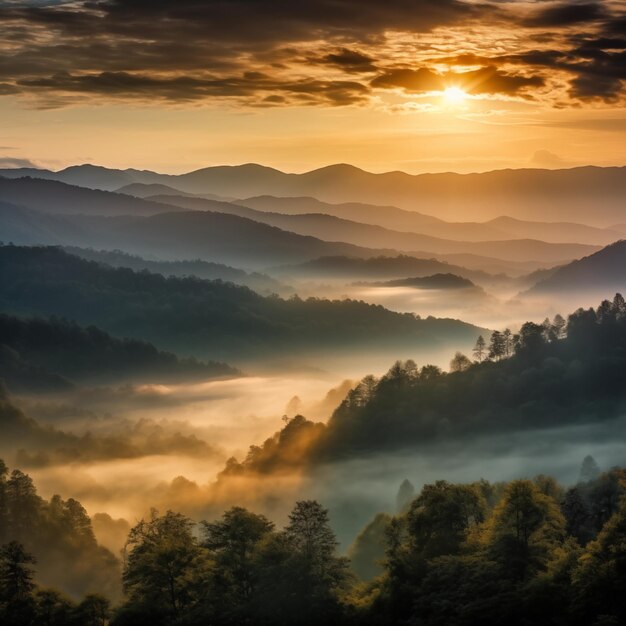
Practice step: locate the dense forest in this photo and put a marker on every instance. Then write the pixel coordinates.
(209, 319)
(261, 283)
(549, 375)
(50, 355)
(522, 552)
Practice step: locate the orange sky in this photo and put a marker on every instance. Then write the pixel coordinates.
(175, 86)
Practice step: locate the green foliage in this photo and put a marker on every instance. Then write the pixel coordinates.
(368, 550)
(460, 555)
(58, 535)
(202, 317)
(600, 577)
(160, 556)
(546, 381)
(525, 530)
(45, 355)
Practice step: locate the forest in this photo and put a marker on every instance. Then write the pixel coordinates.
(527, 551)
(521, 552)
(53, 354)
(550, 375)
(204, 318)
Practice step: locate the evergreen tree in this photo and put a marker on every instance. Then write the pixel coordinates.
(406, 493)
(589, 470)
(480, 349)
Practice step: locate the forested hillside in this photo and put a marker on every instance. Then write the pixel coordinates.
(520, 552)
(548, 376)
(45, 355)
(209, 319)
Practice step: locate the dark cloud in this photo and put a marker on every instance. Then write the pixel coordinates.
(187, 88)
(268, 52)
(486, 80)
(15, 162)
(349, 60)
(566, 14)
(414, 81)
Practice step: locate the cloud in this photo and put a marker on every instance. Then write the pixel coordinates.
(545, 158)
(486, 80)
(11, 162)
(349, 60)
(284, 53)
(566, 14)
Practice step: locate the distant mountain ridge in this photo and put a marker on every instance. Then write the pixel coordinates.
(392, 217)
(336, 229)
(565, 195)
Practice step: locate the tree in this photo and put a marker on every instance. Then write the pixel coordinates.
(406, 493)
(160, 556)
(367, 552)
(589, 470)
(548, 332)
(600, 579)
(577, 516)
(17, 606)
(16, 573)
(509, 342)
(232, 542)
(54, 609)
(497, 349)
(4, 512)
(459, 363)
(619, 307)
(94, 610)
(525, 530)
(440, 517)
(480, 348)
(310, 535)
(531, 339)
(558, 326)
(23, 506)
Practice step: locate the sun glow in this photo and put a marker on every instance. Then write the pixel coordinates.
(454, 95)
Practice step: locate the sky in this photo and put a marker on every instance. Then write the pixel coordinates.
(414, 85)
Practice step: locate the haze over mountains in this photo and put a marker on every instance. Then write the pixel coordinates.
(601, 272)
(209, 232)
(566, 195)
(391, 217)
(207, 319)
(332, 228)
(161, 328)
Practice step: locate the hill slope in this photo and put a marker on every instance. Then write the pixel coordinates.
(209, 319)
(39, 354)
(172, 233)
(331, 228)
(48, 196)
(605, 270)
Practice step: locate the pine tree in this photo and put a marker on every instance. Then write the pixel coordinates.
(479, 350)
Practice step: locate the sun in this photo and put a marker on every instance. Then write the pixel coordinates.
(454, 95)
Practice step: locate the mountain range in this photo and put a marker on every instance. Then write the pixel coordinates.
(589, 195)
(331, 228)
(37, 211)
